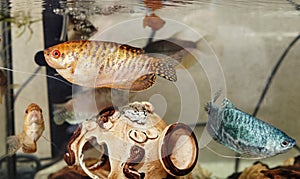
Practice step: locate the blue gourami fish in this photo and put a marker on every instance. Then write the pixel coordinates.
(244, 133)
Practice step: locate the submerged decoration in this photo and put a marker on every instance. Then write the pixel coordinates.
(290, 169)
(132, 142)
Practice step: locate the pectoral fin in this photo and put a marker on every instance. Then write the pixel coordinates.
(28, 145)
(144, 82)
(66, 74)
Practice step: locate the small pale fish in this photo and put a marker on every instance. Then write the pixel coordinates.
(3, 85)
(87, 103)
(32, 131)
(99, 64)
(153, 21)
(244, 133)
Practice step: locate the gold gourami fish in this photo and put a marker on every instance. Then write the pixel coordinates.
(32, 131)
(107, 64)
(3, 85)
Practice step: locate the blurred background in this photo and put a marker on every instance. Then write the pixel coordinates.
(235, 45)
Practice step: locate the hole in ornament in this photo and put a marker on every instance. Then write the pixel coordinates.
(183, 153)
(179, 150)
(96, 157)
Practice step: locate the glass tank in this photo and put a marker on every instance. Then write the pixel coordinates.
(149, 89)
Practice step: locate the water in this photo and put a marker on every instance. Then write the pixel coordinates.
(244, 40)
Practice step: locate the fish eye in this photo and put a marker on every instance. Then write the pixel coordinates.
(56, 53)
(284, 143)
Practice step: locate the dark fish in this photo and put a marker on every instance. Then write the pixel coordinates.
(177, 48)
(244, 133)
(169, 46)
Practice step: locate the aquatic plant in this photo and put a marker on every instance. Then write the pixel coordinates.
(22, 20)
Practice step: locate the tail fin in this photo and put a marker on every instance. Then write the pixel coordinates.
(180, 54)
(184, 56)
(166, 69)
(217, 95)
(14, 144)
(60, 114)
(185, 59)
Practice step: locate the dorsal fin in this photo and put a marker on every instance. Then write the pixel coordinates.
(226, 103)
(217, 95)
(132, 49)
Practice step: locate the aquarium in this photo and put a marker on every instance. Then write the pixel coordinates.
(149, 89)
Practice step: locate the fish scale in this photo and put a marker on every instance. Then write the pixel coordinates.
(244, 133)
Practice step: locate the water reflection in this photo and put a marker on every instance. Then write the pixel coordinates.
(77, 14)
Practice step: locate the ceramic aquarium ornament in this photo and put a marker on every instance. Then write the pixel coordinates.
(132, 142)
